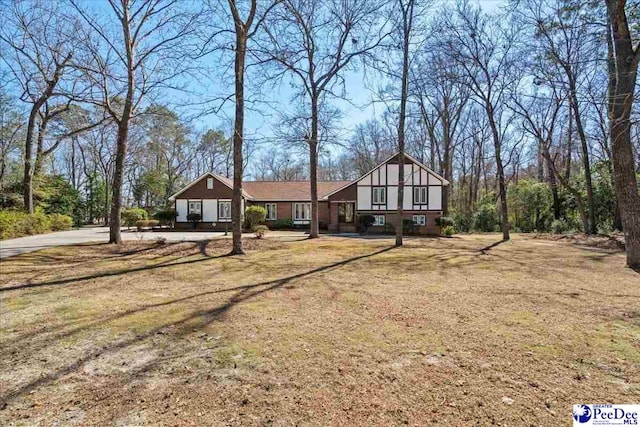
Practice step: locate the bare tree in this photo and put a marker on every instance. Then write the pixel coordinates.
(244, 30)
(127, 63)
(565, 41)
(406, 28)
(622, 78)
(40, 48)
(442, 99)
(482, 50)
(314, 42)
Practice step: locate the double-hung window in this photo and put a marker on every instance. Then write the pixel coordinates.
(419, 220)
(379, 195)
(272, 211)
(224, 211)
(195, 207)
(209, 183)
(420, 195)
(302, 211)
(378, 220)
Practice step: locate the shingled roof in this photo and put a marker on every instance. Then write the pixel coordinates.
(288, 190)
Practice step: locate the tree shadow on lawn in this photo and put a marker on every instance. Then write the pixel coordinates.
(201, 246)
(486, 249)
(42, 259)
(192, 321)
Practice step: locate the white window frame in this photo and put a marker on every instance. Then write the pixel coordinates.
(379, 220)
(379, 195)
(209, 183)
(194, 203)
(420, 220)
(420, 195)
(304, 209)
(221, 209)
(272, 214)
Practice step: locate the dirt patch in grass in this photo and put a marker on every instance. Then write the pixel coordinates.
(614, 242)
(341, 331)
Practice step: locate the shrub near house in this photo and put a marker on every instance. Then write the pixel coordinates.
(132, 215)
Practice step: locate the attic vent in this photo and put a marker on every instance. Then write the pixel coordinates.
(209, 183)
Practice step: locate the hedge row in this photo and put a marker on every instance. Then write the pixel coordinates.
(16, 224)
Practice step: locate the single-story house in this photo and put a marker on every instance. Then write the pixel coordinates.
(339, 202)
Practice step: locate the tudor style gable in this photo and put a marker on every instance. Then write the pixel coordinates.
(377, 190)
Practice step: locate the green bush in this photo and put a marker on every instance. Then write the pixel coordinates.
(132, 215)
(16, 223)
(463, 222)
(559, 226)
(443, 221)
(409, 227)
(60, 222)
(165, 216)
(254, 215)
(260, 231)
(281, 224)
(447, 230)
(365, 222)
(486, 218)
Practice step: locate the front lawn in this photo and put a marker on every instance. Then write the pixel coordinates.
(342, 331)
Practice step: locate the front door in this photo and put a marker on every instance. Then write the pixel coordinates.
(346, 215)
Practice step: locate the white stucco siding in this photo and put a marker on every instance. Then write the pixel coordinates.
(434, 181)
(392, 198)
(408, 174)
(435, 197)
(181, 210)
(424, 176)
(366, 180)
(364, 198)
(209, 210)
(392, 170)
(407, 199)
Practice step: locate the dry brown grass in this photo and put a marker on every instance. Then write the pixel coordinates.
(333, 331)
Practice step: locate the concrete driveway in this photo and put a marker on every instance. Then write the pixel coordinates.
(27, 244)
(91, 234)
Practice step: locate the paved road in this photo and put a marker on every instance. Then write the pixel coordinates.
(93, 234)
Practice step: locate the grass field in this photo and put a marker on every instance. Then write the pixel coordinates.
(333, 331)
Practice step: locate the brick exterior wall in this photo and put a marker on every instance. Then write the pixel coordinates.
(430, 228)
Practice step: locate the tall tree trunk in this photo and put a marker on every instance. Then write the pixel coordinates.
(540, 160)
(502, 188)
(238, 136)
(123, 134)
(553, 184)
(620, 106)
(42, 131)
(28, 162)
(118, 178)
(585, 157)
(313, 166)
(407, 25)
(567, 164)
